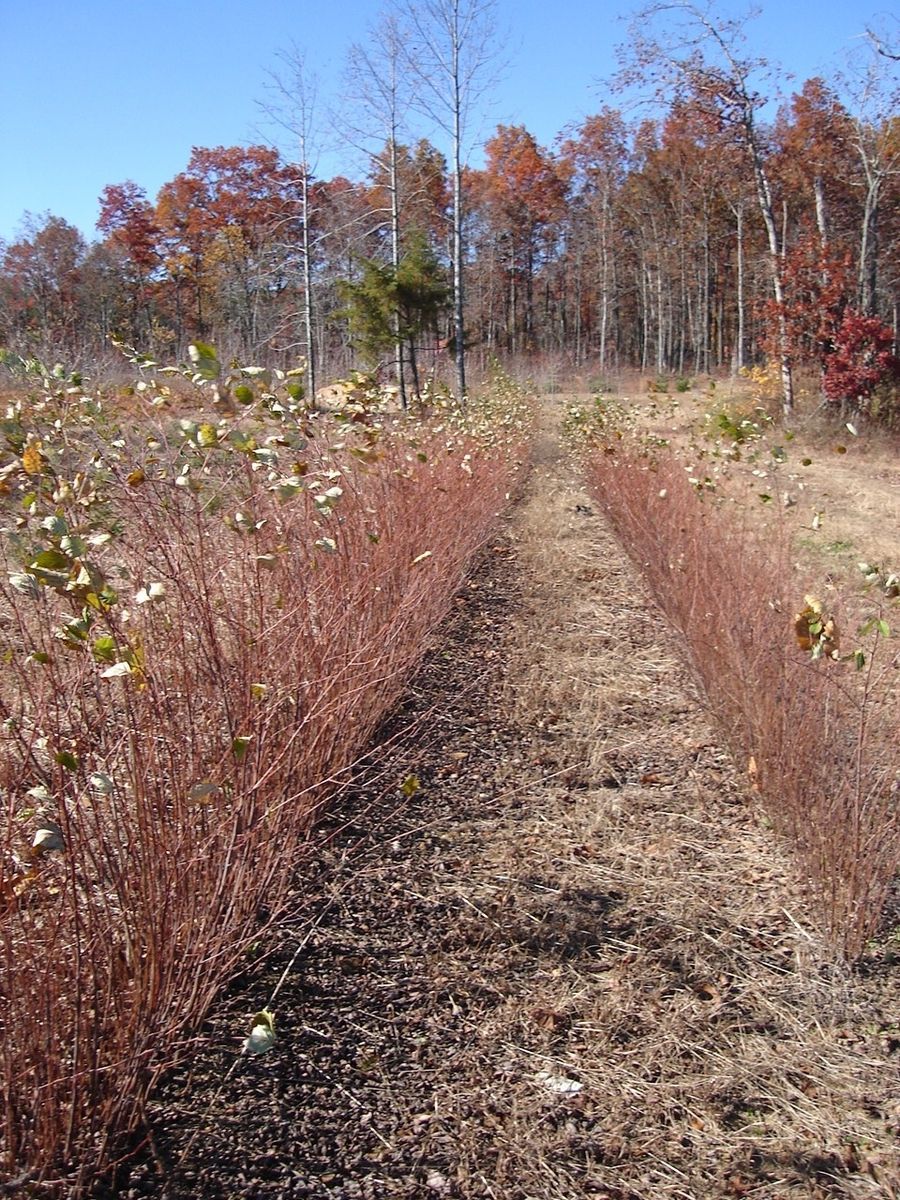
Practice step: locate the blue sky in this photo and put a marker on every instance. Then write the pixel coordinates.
(94, 92)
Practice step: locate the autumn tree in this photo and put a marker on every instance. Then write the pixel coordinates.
(685, 49)
(523, 193)
(42, 278)
(129, 223)
(224, 217)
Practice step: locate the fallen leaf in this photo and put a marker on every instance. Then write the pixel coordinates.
(262, 1033)
(560, 1084)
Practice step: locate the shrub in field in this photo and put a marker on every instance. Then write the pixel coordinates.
(860, 358)
(815, 722)
(202, 622)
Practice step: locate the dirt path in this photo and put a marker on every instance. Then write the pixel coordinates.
(572, 964)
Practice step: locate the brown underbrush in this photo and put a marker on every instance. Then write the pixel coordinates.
(201, 625)
(818, 737)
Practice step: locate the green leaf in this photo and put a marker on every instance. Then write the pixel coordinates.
(410, 785)
(104, 648)
(239, 747)
(883, 628)
(66, 759)
(55, 526)
(205, 360)
(74, 546)
(57, 580)
(51, 560)
(203, 793)
(243, 394)
(859, 659)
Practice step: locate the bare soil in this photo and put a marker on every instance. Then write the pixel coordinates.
(573, 963)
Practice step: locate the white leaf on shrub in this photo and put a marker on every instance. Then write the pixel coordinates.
(154, 591)
(421, 557)
(24, 583)
(117, 671)
(326, 543)
(48, 836)
(101, 783)
(262, 1033)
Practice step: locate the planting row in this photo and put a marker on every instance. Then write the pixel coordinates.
(810, 713)
(203, 618)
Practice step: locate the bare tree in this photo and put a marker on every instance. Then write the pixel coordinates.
(687, 49)
(887, 45)
(453, 43)
(378, 78)
(293, 109)
(874, 91)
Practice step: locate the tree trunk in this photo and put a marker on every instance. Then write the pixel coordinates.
(741, 316)
(764, 195)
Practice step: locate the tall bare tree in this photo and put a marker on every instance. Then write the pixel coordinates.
(873, 85)
(454, 51)
(293, 108)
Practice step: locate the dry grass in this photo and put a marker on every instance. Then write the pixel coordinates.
(820, 741)
(644, 936)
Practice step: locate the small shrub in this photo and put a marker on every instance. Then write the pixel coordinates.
(860, 358)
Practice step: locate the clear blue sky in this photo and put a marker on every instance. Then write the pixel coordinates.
(94, 92)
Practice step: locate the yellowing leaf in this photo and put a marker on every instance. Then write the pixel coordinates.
(410, 785)
(135, 478)
(33, 459)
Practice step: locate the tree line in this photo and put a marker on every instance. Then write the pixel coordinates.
(696, 240)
